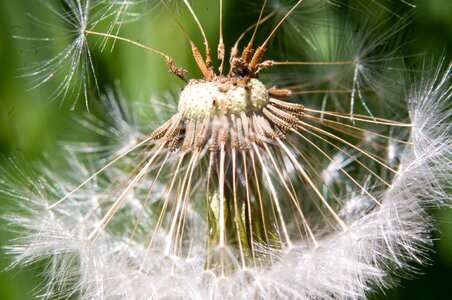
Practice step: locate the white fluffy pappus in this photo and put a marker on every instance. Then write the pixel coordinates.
(72, 69)
(346, 264)
(248, 196)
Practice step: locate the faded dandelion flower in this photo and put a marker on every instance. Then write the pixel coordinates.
(242, 192)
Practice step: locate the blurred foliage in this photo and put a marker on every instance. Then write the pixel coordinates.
(30, 127)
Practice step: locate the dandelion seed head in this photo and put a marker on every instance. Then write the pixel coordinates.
(242, 192)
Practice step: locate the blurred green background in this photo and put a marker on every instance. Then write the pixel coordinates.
(30, 127)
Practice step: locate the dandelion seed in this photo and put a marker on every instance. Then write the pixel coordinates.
(73, 68)
(242, 193)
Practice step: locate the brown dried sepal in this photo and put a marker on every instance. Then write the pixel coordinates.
(230, 131)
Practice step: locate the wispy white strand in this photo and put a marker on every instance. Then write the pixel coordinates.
(378, 243)
(389, 239)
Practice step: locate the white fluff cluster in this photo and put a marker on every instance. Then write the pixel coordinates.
(349, 264)
(61, 214)
(72, 70)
